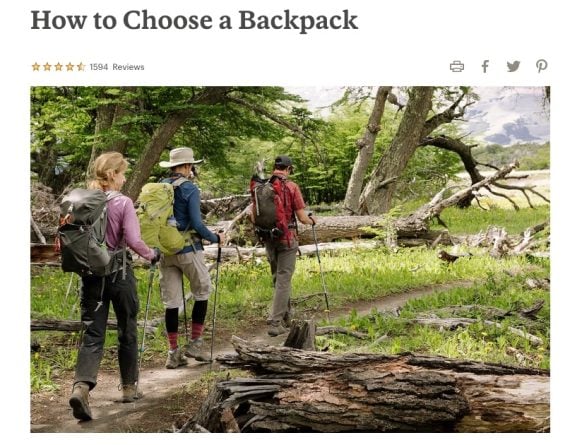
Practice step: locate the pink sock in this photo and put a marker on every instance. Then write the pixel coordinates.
(197, 329)
(172, 340)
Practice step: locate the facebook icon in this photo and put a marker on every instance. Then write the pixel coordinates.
(485, 65)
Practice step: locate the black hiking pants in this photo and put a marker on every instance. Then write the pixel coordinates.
(97, 293)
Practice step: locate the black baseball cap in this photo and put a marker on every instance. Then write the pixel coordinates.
(284, 161)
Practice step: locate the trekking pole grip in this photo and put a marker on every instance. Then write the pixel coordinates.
(219, 259)
(310, 215)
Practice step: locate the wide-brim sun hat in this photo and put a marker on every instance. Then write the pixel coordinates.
(180, 156)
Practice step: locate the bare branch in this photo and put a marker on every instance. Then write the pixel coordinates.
(522, 188)
(479, 204)
(502, 195)
(488, 165)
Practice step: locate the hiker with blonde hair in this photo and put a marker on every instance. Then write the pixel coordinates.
(118, 288)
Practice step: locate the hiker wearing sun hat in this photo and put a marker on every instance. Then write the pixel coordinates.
(180, 156)
(188, 262)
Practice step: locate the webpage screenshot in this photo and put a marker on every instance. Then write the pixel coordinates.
(285, 217)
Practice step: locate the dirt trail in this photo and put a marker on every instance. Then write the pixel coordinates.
(51, 412)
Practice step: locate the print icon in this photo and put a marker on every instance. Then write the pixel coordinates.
(456, 66)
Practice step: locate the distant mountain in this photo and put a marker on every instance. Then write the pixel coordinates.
(509, 115)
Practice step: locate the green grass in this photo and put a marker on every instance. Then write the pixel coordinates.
(474, 219)
(389, 334)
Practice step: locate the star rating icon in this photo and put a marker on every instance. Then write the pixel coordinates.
(58, 67)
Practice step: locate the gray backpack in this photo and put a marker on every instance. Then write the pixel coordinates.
(81, 233)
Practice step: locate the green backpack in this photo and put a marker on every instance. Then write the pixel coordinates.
(156, 217)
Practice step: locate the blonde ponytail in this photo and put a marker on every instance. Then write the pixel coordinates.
(105, 168)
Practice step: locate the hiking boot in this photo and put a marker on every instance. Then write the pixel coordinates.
(194, 350)
(175, 359)
(277, 329)
(79, 401)
(131, 393)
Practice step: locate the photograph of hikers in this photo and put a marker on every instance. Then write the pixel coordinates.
(290, 259)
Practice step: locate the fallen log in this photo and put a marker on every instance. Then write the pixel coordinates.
(306, 391)
(410, 227)
(76, 325)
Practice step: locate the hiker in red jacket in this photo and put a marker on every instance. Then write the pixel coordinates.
(282, 248)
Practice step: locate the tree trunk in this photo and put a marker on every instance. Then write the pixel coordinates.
(302, 391)
(376, 197)
(104, 115)
(151, 154)
(109, 116)
(302, 335)
(162, 136)
(365, 147)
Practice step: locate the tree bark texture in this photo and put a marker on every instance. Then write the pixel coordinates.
(365, 147)
(376, 198)
(306, 391)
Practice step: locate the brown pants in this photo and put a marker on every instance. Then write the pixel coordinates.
(282, 261)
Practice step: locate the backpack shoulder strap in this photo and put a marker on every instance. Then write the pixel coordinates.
(122, 247)
(112, 194)
(179, 181)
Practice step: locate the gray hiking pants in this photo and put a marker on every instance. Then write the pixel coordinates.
(282, 261)
(123, 295)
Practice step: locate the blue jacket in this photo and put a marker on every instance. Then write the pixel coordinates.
(187, 213)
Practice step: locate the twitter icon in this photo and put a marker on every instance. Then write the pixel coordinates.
(513, 66)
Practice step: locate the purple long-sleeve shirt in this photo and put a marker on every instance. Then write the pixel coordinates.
(122, 222)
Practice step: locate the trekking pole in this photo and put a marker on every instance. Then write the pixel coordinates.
(321, 269)
(184, 305)
(150, 280)
(218, 261)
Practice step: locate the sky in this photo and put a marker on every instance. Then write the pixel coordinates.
(503, 115)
